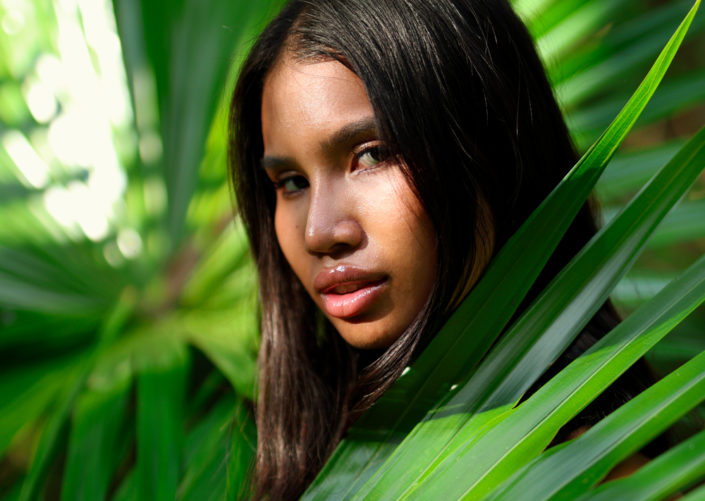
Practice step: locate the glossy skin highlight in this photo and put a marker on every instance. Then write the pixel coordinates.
(346, 219)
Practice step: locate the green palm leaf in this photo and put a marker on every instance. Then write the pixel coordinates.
(97, 423)
(695, 495)
(663, 477)
(528, 430)
(169, 284)
(160, 396)
(569, 472)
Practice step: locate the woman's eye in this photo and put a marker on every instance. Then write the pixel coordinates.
(291, 184)
(371, 157)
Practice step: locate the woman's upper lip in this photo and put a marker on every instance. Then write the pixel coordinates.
(329, 279)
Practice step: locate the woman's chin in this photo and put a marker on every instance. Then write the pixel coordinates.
(368, 335)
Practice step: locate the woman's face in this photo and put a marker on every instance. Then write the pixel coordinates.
(346, 220)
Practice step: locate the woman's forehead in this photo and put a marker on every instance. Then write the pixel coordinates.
(301, 98)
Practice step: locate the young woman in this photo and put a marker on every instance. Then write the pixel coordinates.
(382, 151)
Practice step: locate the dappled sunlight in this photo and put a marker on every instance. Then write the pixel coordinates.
(33, 169)
(76, 92)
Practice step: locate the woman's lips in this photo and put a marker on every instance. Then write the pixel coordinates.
(348, 291)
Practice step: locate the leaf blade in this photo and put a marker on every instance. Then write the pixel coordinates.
(612, 439)
(662, 477)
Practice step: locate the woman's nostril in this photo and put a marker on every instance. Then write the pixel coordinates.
(333, 237)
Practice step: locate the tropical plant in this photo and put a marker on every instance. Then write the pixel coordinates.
(128, 323)
(128, 315)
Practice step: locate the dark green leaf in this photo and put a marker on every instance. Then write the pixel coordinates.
(161, 389)
(663, 477)
(95, 438)
(578, 466)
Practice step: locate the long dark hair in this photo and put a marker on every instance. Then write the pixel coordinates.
(459, 92)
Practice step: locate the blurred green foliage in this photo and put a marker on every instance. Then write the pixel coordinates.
(128, 316)
(128, 322)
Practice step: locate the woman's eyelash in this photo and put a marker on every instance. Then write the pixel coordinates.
(367, 158)
(290, 184)
(372, 156)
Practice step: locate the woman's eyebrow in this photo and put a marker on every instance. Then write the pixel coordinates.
(348, 133)
(351, 132)
(272, 162)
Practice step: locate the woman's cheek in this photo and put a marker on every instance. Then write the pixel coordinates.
(289, 226)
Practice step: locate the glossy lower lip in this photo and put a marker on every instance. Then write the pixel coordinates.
(355, 303)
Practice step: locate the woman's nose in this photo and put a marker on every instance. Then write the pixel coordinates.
(331, 225)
